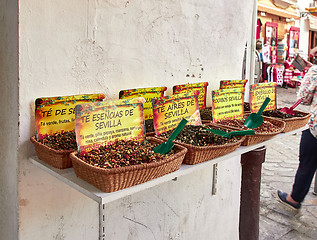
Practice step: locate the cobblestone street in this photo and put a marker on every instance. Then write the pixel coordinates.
(276, 220)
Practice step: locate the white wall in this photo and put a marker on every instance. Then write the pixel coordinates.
(188, 211)
(304, 36)
(304, 27)
(8, 118)
(81, 46)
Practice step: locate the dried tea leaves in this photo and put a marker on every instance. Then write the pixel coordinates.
(61, 141)
(266, 127)
(196, 135)
(123, 153)
(278, 114)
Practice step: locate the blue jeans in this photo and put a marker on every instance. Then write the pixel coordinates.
(307, 166)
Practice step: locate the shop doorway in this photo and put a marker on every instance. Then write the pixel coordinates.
(312, 43)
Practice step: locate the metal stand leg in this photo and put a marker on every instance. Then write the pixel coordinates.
(315, 187)
(214, 179)
(250, 194)
(101, 221)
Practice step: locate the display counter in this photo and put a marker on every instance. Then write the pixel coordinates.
(69, 177)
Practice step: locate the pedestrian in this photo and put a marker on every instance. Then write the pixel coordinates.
(308, 143)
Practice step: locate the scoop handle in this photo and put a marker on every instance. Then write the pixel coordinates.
(296, 103)
(264, 104)
(178, 129)
(241, 133)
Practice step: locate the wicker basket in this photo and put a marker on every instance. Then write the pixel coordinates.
(204, 122)
(295, 122)
(150, 134)
(110, 180)
(197, 154)
(260, 137)
(57, 158)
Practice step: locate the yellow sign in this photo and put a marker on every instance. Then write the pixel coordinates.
(227, 104)
(148, 94)
(56, 114)
(201, 87)
(170, 110)
(98, 124)
(258, 93)
(225, 84)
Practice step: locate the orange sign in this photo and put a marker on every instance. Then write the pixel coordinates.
(98, 124)
(170, 110)
(225, 84)
(56, 114)
(148, 94)
(259, 92)
(201, 87)
(227, 104)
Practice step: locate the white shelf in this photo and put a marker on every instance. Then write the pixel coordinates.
(69, 177)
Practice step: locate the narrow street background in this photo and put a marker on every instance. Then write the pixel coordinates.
(276, 220)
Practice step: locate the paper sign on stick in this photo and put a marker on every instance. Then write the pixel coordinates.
(148, 94)
(225, 84)
(101, 123)
(227, 104)
(258, 93)
(201, 87)
(56, 114)
(170, 110)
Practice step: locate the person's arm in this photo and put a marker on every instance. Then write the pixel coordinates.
(308, 86)
(308, 64)
(313, 53)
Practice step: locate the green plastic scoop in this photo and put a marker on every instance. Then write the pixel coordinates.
(255, 119)
(229, 134)
(167, 146)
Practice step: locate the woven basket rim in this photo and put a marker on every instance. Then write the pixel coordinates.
(107, 171)
(227, 145)
(33, 140)
(150, 134)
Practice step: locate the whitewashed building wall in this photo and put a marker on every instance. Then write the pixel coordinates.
(89, 46)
